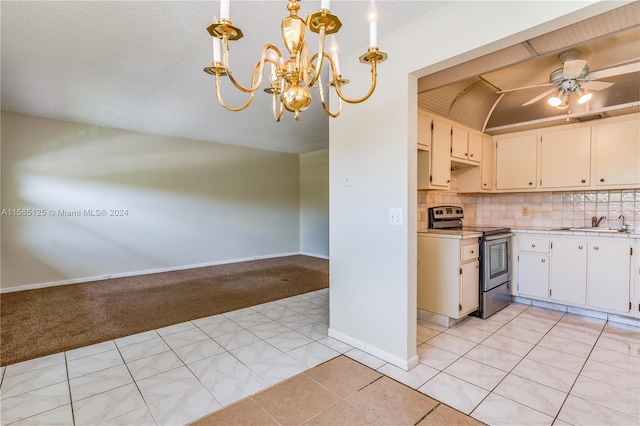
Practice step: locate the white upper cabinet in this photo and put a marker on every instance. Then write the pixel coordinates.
(459, 143)
(486, 171)
(434, 165)
(424, 131)
(440, 155)
(516, 162)
(466, 145)
(475, 152)
(617, 153)
(565, 158)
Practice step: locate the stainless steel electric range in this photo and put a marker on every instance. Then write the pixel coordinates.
(495, 257)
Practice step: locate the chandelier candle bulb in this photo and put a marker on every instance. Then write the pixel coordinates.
(373, 25)
(334, 54)
(324, 4)
(216, 49)
(224, 9)
(274, 76)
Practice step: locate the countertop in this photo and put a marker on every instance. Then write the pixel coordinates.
(558, 231)
(450, 233)
(459, 234)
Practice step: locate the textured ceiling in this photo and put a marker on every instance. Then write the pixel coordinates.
(137, 65)
(467, 93)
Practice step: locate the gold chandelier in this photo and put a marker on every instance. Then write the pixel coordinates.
(291, 79)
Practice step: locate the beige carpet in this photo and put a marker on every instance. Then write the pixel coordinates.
(40, 322)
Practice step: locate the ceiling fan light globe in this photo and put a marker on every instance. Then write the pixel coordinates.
(584, 98)
(554, 101)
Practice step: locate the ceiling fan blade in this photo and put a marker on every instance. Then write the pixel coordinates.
(540, 96)
(595, 85)
(572, 69)
(610, 72)
(526, 87)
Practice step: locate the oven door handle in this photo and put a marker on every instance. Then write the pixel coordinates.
(497, 237)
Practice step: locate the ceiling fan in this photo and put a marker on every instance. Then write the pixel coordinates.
(574, 77)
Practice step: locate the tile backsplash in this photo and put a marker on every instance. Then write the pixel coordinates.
(544, 209)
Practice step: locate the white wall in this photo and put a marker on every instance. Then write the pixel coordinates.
(187, 202)
(314, 203)
(373, 263)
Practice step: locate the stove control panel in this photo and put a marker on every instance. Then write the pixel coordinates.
(446, 212)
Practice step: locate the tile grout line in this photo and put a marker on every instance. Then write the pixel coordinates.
(146, 404)
(66, 368)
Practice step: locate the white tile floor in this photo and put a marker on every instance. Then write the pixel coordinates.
(524, 365)
(530, 365)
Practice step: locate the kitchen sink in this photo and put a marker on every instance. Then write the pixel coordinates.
(591, 229)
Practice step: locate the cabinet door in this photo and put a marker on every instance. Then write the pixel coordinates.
(486, 170)
(424, 131)
(533, 275)
(440, 155)
(475, 149)
(459, 143)
(469, 287)
(609, 276)
(516, 162)
(566, 158)
(568, 271)
(617, 153)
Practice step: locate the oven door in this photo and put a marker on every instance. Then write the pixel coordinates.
(496, 254)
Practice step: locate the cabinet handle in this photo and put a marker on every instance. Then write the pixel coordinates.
(601, 179)
(484, 184)
(471, 251)
(583, 181)
(470, 155)
(533, 245)
(579, 247)
(544, 260)
(595, 248)
(530, 183)
(448, 181)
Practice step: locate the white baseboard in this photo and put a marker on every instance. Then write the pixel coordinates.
(405, 364)
(319, 256)
(144, 272)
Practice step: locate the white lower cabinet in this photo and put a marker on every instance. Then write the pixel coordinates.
(448, 275)
(609, 276)
(589, 272)
(568, 271)
(533, 267)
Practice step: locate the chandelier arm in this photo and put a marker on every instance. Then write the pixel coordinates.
(324, 105)
(369, 93)
(257, 72)
(320, 55)
(231, 108)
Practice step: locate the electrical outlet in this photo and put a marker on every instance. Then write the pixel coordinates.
(525, 211)
(395, 216)
(347, 181)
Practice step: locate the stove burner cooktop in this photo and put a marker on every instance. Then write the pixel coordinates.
(487, 230)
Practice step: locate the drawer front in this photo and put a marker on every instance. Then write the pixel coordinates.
(469, 252)
(536, 245)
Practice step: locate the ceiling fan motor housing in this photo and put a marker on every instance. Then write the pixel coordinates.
(556, 77)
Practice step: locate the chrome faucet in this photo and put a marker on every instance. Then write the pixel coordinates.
(623, 226)
(596, 221)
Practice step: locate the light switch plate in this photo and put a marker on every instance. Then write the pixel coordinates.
(395, 216)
